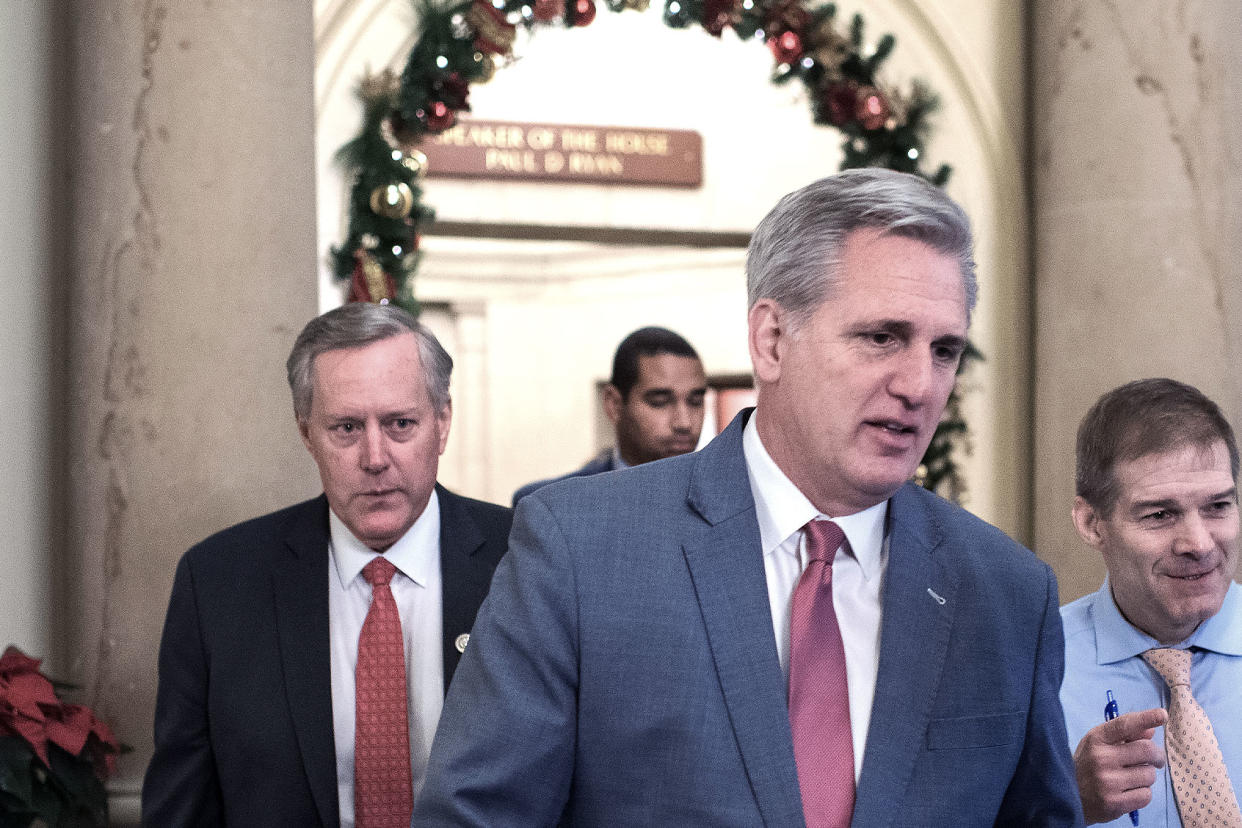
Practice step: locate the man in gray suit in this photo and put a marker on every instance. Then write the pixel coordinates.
(654, 400)
(779, 629)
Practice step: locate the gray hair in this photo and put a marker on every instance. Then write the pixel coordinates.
(795, 251)
(352, 326)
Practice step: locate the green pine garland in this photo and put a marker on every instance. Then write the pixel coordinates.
(462, 42)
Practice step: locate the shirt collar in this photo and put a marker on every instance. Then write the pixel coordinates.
(782, 509)
(1222, 633)
(413, 554)
(618, 462)
(1117, 639)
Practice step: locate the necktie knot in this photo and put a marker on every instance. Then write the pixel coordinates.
(823, 539)
(1172, 665)
(379, 571)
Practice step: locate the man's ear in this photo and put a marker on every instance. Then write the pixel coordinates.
(1087, 522)
(444, 419)
(613, 403)
(768, 327)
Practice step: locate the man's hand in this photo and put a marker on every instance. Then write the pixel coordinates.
(1116, 764)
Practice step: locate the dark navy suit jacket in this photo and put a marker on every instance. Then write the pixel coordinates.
(243, 717)
(596, 465)
(623, 670)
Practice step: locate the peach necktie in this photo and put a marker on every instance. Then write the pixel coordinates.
(819, 709)
(1200, 782)
(383, 786)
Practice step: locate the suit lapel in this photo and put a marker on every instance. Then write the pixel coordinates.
(726, 567)
(464, 579)
(300, 587)
(913, 642)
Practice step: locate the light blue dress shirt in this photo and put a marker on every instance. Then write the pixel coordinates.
(1102, 653)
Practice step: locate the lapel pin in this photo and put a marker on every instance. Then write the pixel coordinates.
(462, 640)
(935, 597)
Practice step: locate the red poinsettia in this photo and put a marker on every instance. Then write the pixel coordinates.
(31, 711)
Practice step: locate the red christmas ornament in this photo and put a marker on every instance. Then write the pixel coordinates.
(453, 90)
(786, 47)
(440, 117)
(870, 108)
(548, 10)
(583, 12)
(840, 102)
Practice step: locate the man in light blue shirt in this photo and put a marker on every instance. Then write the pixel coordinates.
(1157, 470)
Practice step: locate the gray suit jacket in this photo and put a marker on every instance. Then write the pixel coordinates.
(243, 717)
(623, 670)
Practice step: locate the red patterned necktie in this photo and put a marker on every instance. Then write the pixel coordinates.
(383, 788)
(1205, 798)
(819, 708)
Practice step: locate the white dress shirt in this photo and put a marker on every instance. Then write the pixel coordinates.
(857, 576)
(416, 590)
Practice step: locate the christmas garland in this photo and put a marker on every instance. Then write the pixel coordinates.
(465, 42)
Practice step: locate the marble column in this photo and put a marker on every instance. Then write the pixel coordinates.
(1137, 181)
(193, 262)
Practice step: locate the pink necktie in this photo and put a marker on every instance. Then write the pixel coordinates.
(819, 708)
(1205, 797)
(383, 788)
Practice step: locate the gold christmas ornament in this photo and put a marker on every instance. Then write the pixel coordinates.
(487, 67)
(492, 33)
(375, 278)
(392, 201)
(415, 162)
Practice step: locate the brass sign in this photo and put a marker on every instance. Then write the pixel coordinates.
(572, 154)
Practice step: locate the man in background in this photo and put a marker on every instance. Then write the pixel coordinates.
(654, 401)
(1157, 471)
(779, 628)
(306, 653)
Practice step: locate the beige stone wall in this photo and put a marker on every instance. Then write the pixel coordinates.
(1137, 192)
(192, 269)
(31, 222)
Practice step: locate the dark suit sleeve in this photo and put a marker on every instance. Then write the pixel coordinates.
(181, 786)
(1043, 790)
(504, 750)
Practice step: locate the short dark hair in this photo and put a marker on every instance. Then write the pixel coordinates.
(651, 341)
(796, 250)
(1143, 417)
(353, 326)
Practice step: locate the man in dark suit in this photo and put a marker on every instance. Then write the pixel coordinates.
(260, 718)
(779, 629)
(654, 400)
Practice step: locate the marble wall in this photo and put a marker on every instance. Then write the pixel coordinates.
(1137, 250)
(192, 269)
